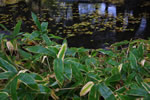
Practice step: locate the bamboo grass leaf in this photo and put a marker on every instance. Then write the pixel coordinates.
(36, 21)
(4, 96)
(11, 87)
(6, 75)
(28, 80)
(94, 95)
(86, 88)
(17, 29)
(59, 70)
(62, 51)
(7, 66)
(106, 92)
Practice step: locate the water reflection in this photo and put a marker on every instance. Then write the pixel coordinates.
(94, 23)
(86, 8)
(141, 27)
(112, 10)
(102, 8)
(91, 8)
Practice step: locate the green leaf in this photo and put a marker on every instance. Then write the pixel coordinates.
(121, 89)
(6, 75)
(62, 51)
(138, 79)
(53, 51)
(37, 49)
(7, 66)
(127, 97)
(36, 21)
(86, 88)
(17, 29)
(55, 37)
(147, 97)
(112, 62)
(36, 76)
(68, 71)
(146, 86)
(121, 43)
(44, 89)
(130, 77)
(106, 92)
(34, 35)
(141, 50)
(133, 61)
(24, 54)
(47, 40)
(71, 52)
(27, 79)
(44, 26)
(4, 96)
(137, 92)
(94, 95)
(114, 78)
(107, 52)
(76, 70)
(11, 87)
(1, 25)
(59, 70)
(91, 62)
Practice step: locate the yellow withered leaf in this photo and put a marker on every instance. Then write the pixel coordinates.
(10, 46)
(147, 80)
(86, 88)
(143, 62)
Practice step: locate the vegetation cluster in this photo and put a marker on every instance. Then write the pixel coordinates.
(34, 67)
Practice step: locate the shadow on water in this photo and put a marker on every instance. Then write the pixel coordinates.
(84, 23)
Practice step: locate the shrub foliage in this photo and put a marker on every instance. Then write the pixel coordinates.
(34, 67)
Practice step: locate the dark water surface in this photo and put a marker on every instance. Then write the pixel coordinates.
(84, 23)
